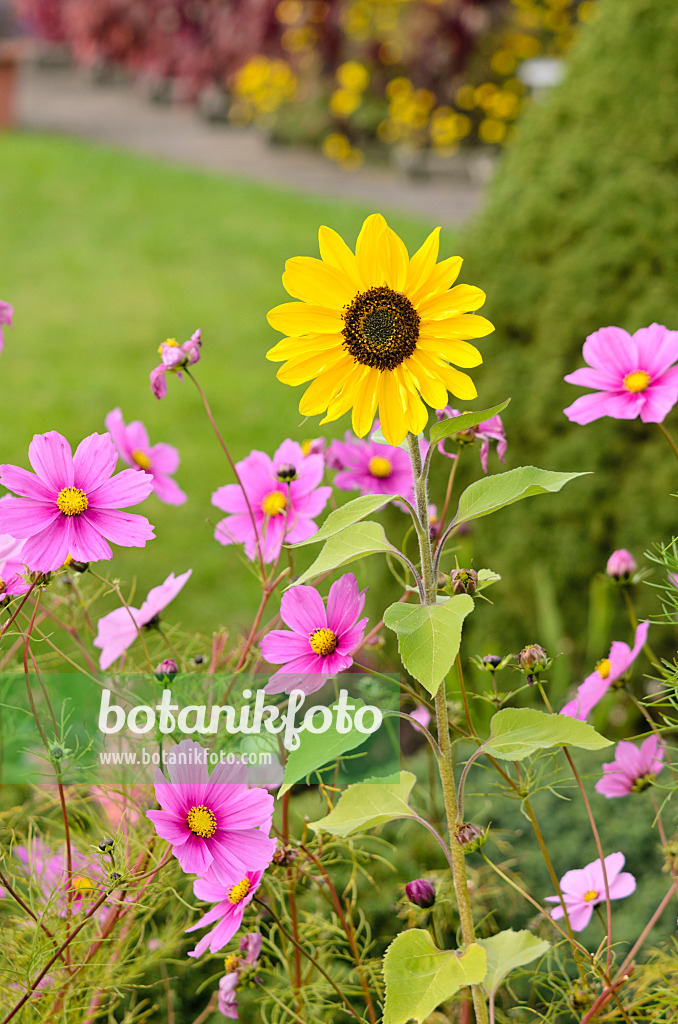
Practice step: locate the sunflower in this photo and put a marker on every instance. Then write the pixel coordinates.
(377, 329)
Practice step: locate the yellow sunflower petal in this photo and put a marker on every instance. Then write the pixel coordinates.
(298, 318)
(365, 405)
(306, 367)
(465, 298)
(427, 379)
(334, 251)
(458, 383)
(442, 277)
(368, 252)
(395, 259)
(393, 408)
(423, 262)
(322, 390)
(466, 325)
(343, 400)
(289, 348)
(417, 413)
(316, 282)
(458, 352)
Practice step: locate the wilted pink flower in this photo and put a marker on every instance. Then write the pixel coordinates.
(633, 768)
(422, 715)
(48, 871)
(584, 888)
(621, 564)
(69, 505)
(489, 430)
(214, 823)
(230, 898)
(633, 375)
(607, 671)
(319, 642)
(12, 568)
(370, 468)
(250, 948)
(119, 629)
(174, 358)
(284, 498)
(6, 314)
(159, 460)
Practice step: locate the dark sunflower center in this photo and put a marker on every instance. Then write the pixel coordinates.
(381, 328)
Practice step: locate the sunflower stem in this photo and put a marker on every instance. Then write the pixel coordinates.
(444, 759)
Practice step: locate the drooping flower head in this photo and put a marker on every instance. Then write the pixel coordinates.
(320, 642)
(231, 897)
(632, 374)
(214, 823)
(606, 673)
(12, 568)
(48, 870)
(370, 468)
(485, 432)
(250, 948)
(69, 505)
(284, 498)
(160, 461)
(633, 769)
(6, 314)
(584, 888)
(377, 329)
(175, 358)
(119, 629)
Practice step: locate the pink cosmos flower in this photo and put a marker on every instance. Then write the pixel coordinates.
(230, 898)
(6, 314)
(370, 468)
(159, 461)
(12, 568)
(633, 769)
(485, 432)
(284, 498)
(174, 358)
(633, 375)
(319, 642)
(250, 948)
(607, 671)
(214, 823)
(69, 505)
(584, 888)
(48, 870)
(119, 629)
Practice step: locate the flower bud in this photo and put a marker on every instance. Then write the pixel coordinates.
(491, 662)
(464, 581)
(106, 845)
(287, 472)
(421, 893)
(621, 565)
(166, 670)
(198, 659)
(470, 837)
(533, 659)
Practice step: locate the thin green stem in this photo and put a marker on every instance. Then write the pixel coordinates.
(668, 437)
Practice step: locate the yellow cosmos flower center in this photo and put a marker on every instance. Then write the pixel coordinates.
(3, 586)
(323, 641)
(380, 467)
(637, 381)
(83, 887)
(239, 891)
(274, 503)
(381, 328)
(141, 459)
(201, 821)
(591, 895)
(643, 782)
(603, 668)
(172, 342)
(72, 501)
(231, 963)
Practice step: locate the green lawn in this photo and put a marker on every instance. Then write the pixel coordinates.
(105, 255)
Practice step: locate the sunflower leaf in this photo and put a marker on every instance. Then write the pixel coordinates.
(516, 733)
(463, 422)
(366, 804)
(350, 513)
(354, 542)
(429, 636)
(419, 976)
(508, 950)
(495, 492)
